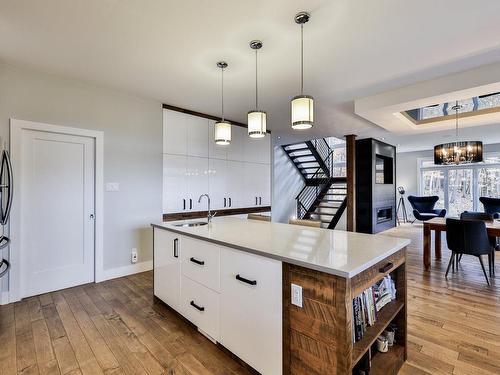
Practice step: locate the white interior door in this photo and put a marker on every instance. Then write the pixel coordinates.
(57, 188)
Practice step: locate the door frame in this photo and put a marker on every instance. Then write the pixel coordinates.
(16, 129)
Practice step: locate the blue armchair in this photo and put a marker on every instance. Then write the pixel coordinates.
(423, 207)
(491, 206)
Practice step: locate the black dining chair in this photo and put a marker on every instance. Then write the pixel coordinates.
(423, 207)
(468, 237)
(491, 206)
(482, 216)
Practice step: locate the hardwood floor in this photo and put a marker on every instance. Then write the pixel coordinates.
(115, 327)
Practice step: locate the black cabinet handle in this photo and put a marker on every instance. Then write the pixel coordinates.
(194, 260)
(190, 204)
(224, 202)
(230, 203)
(176, 248)
(260, 201)
(199, 308)
(256, 201)
(242, 279)
(184, 204)
(385, 268)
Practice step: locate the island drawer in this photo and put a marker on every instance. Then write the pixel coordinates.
(375, 273)
(200, 305)
(201, 262)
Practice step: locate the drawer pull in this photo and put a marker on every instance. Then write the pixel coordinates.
(194, 260)
(242, 279)
(176, 248)
(386, 268)
(199, 308)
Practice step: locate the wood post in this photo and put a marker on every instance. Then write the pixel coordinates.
(351, 181)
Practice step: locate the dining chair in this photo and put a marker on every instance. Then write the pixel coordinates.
(491, 206)
(258, 217)
(468, 237)
(482, 216)
(307, 223)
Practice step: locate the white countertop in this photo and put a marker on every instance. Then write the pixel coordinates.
(335, 252)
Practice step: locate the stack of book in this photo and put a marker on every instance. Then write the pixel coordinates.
(367, 305)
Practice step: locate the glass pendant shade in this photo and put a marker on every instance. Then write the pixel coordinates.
(257, 123)
(458, 153)
(222, 132)
(302, 112)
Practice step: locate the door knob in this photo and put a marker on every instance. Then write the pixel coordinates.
(92, 216)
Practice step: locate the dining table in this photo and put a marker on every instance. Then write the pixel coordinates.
(438, 225)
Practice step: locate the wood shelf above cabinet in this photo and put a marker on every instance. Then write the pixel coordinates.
(204, 115)
(203, 214)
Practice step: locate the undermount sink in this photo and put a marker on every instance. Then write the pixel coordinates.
(191, 224)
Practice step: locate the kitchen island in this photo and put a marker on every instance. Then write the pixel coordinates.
(279, 296)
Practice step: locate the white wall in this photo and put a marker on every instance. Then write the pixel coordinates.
(407, 170)
(287, 183)
(132, 129)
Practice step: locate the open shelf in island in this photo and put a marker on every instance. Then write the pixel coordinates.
(318, 338)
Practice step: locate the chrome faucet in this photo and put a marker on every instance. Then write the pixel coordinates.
(209, 215)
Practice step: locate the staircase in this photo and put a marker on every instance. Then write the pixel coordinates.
(323, 197)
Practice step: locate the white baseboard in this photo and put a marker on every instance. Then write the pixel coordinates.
(113, 273)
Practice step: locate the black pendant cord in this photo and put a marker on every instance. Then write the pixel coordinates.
(256, 84)
(301, 59)
(222, 104)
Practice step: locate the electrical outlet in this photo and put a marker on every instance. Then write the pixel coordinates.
(296, 295)
(112, 186)
(134, 255)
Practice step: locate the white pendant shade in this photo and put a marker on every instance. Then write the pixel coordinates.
(222, 132)
(302, 112)
(257, 123)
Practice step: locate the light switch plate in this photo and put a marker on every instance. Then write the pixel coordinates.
(112, 186)
(296, 295)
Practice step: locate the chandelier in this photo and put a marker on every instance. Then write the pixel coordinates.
(458, 152)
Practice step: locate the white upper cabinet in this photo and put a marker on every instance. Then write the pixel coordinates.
(257, 180)
(238, 139)
(235, 176)
(174, 133)
(235, 184)
(257, 150)
(197, 136)
(174, 183)
(217, 183)
(197, 182)
(184, 134)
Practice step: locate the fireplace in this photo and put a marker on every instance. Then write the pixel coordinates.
(384, 214)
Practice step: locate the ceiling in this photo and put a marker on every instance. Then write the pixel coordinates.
(167, 50)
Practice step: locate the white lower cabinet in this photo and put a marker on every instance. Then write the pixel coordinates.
(200, 305)
(232, 296)
(167, 267)
(251, 309)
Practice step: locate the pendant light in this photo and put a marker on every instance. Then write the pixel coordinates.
(222, 128)
(257, 120)
(302, 106)
(458, 152)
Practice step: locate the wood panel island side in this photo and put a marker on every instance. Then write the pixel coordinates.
(233, 280)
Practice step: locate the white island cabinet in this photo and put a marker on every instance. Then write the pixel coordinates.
(236, 283)
(233, 297)
(167, 267)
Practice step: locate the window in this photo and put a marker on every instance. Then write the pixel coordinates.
(460, 186)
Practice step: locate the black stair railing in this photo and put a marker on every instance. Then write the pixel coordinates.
(309, 194)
